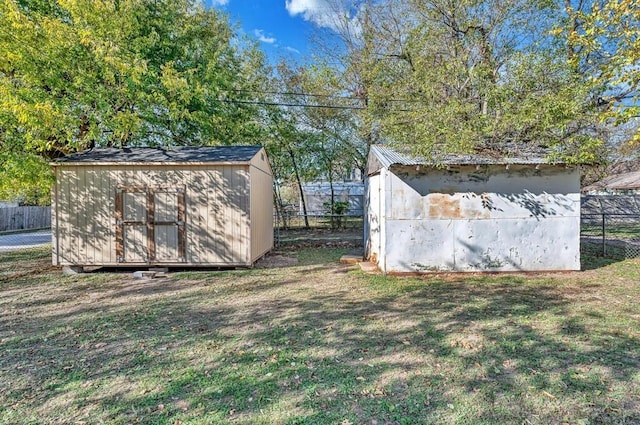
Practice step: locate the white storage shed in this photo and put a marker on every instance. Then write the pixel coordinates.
(470, 214)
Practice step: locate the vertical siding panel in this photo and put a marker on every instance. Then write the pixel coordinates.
(70, 241)
(225, 230)
(179, 238)
(110, 184)
(60, 214)
(54, 219)
(94, 241)
(197, 213)
(73, 210)
(253, 224)
(63, 216)
(234, 189)
(220, 241)
(68, 236)
(191, 216)
(102, 217)
(229, 199)
(207, 209)
(146, 175)
(192, 196)
(88, 205)
(127, 176)
(121, 180)
(90, 201)
(119, 231)
(233, 210)
(261, 206)
(245, 230)
(239, 187)
(182, 235)
(152, 176)
(151, 231)
(216, 216)
(81, 205)
(208, 179)
(211, 215)
(103, 224)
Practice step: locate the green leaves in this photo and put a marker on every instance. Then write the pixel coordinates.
(604, 41)
(127, 72)
(476, 76)
(82, 73)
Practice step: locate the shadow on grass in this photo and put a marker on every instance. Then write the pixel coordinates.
(314, 345)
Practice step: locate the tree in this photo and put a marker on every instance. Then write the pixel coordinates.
(81, 73)
(468, 76)
(603, 37)
(480, 76)
(311, 136)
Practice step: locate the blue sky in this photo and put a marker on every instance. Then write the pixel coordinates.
(282, 27)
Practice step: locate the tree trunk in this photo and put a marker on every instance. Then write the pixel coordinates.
(280, 213)
(297, 174)
(332, 210)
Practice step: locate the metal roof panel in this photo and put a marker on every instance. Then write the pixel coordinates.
(388, 156)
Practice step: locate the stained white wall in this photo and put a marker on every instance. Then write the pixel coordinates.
(490, 218)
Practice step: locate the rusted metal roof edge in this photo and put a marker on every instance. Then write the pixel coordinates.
(386, 157)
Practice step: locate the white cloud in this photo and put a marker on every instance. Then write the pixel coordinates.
(219, 2)
(338, 15)
(264, 38)
(292, 50)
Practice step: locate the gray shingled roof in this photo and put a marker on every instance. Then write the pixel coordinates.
(213, 154)
(623, 181)
(609, 204)
(386, 157)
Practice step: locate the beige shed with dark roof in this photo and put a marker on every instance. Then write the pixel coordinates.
(184, 206)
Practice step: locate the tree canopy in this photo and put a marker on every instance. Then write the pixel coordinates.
(81, 73)
(468, 76)
(497, 77)
(604, 40)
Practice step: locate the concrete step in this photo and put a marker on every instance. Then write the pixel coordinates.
(351, 259)
(369, 267)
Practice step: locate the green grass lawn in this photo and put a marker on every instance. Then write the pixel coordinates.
(622, 231)
(318, 343)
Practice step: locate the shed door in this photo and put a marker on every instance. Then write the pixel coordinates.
(150, 224)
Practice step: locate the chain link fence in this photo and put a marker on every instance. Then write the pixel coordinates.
(13, 241)
(336, 229)
(24, 253)
(610, 225)
(317, 220)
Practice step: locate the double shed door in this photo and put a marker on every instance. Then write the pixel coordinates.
(150, 224)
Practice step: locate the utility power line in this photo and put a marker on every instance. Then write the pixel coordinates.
(293, 105)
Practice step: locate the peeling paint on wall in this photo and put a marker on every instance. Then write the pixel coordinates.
(444, 206)
(489, 219)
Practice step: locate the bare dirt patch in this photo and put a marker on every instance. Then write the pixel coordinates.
(276, 260)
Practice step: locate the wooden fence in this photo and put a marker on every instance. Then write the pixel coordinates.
(19, 218)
